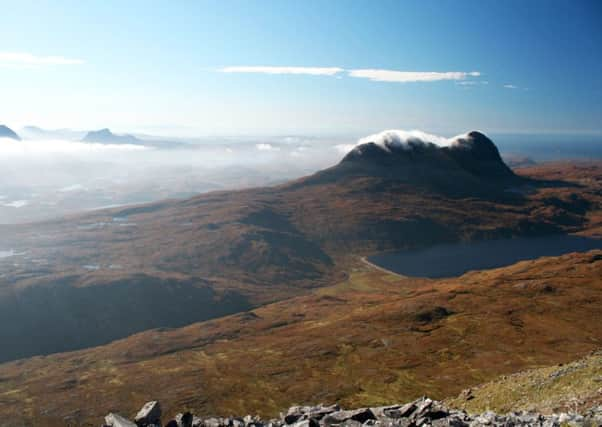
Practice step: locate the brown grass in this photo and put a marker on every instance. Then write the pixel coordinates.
(372, 339)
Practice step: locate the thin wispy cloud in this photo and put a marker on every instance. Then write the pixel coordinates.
(472, 82)
(511, 86)
(377, 75)
(30, 60)
(313, 71)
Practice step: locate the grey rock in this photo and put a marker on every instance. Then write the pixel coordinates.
(401, 411)
(292, 418)
(320, 411)
(422, 406)
(453, 421)
(116, 420)
(338, 417)
(184, 420)
(149, 414)
(211, 422)
(422, 412)
(307, 423)
(380, 411)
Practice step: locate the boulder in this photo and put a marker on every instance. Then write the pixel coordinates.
(398, 411)
(360, 415)
(320, 411)
(212, 422)
(307, 423)
(149, 414)
(184, 420)
(116, 420)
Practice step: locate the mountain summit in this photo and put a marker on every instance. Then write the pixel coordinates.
(6, 132)
(476, 153)
(466, 163)
(472, 152)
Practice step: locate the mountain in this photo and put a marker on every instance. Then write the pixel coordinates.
(37, 133)
(6, 132)
(473, 153)
(467, 164)
(105, 136)
(372, 339)
(224, 252)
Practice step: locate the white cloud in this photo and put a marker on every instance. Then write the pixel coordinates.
(27, 59)
(511, 87)
(314, 71)
(266, 147)
(298, 151)
(402, 139)
(377, 75)
(30, 148)
(344, 148)
(472, 82)
(71, 188)
(16, 204)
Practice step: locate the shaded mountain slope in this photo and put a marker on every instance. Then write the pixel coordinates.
(373, 339)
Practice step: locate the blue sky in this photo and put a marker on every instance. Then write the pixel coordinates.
(499, 66)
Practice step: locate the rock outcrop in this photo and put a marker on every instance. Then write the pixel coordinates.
(421, 412)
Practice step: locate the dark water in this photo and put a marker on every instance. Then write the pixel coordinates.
(551, 147)
(454, 259)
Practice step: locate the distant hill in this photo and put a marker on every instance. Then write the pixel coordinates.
(105, 136)
(6, 132)
(35, 132)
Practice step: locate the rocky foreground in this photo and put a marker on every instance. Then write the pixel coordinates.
(421, 412)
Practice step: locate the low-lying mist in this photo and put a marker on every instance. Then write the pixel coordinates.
(48, 175)
(43, 179)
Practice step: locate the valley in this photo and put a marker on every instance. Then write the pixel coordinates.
(372, 339)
